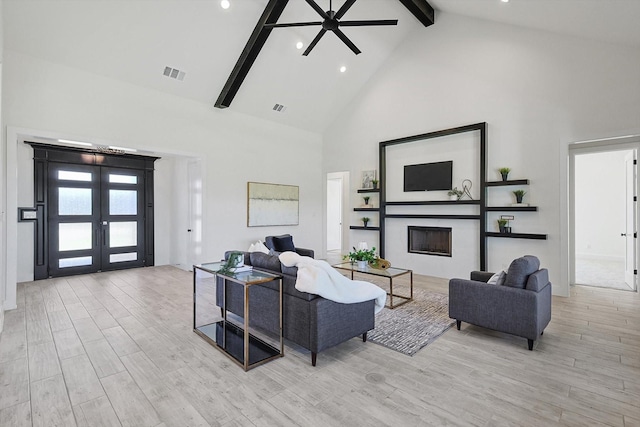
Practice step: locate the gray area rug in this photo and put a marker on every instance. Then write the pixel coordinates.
(414, 325)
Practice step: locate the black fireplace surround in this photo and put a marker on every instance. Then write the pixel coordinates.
(429, 240)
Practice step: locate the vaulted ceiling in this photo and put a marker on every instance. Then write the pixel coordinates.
(134, 40)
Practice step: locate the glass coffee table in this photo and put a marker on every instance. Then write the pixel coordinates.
(389, 273)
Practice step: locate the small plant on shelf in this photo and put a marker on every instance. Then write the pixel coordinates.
(455, 194)
(502, 225)
(366, 200)
(519, 195)
(375, 183)
(504, 172)
(365, 220)
(368, 255)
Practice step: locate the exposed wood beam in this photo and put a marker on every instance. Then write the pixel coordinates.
(421, 9)
(258, 38)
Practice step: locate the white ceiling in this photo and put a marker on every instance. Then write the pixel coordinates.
(133, 40)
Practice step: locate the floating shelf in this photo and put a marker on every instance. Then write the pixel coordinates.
(366, 209)
(368, 190)
(359, 227)
(511, 182)
(434, 216)
(518, 236)
(512, 208)
(434, 202)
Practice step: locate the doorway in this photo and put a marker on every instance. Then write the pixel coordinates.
(604, 216)
(336, 183)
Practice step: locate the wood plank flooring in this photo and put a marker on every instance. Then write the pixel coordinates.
(117, 349)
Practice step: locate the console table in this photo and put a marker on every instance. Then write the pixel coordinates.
(231, 334)
(390, 273)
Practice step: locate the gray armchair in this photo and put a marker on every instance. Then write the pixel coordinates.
(284, 243)
(521, 306)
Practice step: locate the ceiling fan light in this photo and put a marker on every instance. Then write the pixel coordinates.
(299, 45)
(225, 4)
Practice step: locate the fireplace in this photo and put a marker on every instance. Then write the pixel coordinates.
(430, 240)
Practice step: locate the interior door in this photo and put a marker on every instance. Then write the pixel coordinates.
(630, 234)
(95, 218)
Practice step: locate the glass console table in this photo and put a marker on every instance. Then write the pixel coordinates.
(230, 333)
(389, 273)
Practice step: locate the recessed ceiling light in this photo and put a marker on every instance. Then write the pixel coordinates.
(343, 69)
(505, 1)
(225, 4)
(68, 141)
(299, 45)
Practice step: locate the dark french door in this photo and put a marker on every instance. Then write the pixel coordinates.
(96, 218)
(94, 211)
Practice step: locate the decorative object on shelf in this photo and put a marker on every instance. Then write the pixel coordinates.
(233, 263)
(502, 225)
(504, 172)
(272, 204)
(367, 179)
(366, 200)
(362, 256)
(519, 195)
(374, 182)
(466, 188)
(455, 194)
(365, 220)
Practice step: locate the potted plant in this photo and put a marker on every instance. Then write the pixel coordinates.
(374, 182)
(362, 256)
(519, 195)
(504, 172)
(455, 194)
(365, 220)
(366, 200)
(502, 225)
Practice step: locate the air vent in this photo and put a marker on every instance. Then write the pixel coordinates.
(279, 108)
(174, 73)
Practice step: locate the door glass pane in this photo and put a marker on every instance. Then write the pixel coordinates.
(74, 236)
(123, 234)
(75, 262)
(123, 179)
(74, 176)
(129, 256)
(74, 201)
(123, 202)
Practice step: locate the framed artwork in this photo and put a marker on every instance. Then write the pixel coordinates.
(367, 177)
(272, 204)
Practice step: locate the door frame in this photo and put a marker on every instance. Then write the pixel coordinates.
(592, 147)
(345, 176)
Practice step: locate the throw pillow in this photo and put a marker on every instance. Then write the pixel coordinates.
(283, 243)
(498, 278)
(519, 271)
(258, 247)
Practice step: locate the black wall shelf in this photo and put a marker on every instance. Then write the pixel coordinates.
(357, 227)
(368, 190)
(518, 236)
(510, 182)
(434, 202)
(366, 209)
(512, 208)
(433, 216)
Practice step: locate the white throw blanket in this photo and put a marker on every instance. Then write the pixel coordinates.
(318, 277)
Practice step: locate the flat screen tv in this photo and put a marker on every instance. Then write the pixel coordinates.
(428, 176)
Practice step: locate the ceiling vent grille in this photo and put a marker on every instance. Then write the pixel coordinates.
(279, 108)
(174, 73)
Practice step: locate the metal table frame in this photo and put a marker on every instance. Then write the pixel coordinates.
(385, 274)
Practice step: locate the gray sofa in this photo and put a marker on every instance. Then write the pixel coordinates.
(521, 306)
(309, 320)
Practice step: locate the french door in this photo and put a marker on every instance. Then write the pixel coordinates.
(95, 218)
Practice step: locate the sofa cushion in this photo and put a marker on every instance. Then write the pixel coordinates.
(292, 271)
(520, 269)
(283, 243)
(258, 247)
(538, 280)
(498, 278)
(265, 261)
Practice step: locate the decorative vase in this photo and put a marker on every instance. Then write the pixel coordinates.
(375, 185)
(453, 197)
(503, 228)
(519, 198)
(361, 264)
(366, 200)
(504, 176)
(366, 223)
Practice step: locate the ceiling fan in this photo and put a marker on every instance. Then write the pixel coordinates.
(332, 23)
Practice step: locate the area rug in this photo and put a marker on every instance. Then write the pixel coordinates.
(413, 325)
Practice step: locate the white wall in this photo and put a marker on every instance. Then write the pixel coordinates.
(537, 91)
(3, 275)
(234, 148)
(600, 204)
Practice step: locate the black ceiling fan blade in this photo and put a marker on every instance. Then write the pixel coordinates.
(346, 41)
(368, 23)
(318, 9)
(314, 42)
(340, 13)
(293, 24)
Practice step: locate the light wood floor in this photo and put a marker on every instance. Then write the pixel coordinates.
(117, 349)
